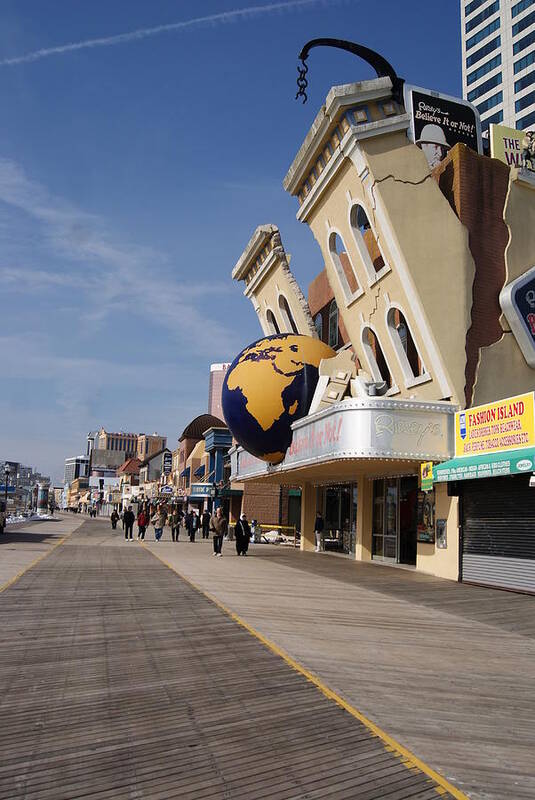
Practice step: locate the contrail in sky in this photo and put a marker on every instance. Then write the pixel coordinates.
(144, 33)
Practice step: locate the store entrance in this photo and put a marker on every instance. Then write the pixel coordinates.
(395, 520)
(339, 508)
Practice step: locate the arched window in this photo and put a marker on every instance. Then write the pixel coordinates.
(366, 241)
(287, 315)
(272, 322)
(344, 268)
(404, 345)
(376, 358)
(318, 324)
(333, 324)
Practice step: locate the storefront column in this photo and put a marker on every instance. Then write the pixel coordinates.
(363, 549)
(308, 516)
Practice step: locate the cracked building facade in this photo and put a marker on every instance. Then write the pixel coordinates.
(415, 260)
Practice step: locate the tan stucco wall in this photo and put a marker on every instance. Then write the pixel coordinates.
(363, 549)
(429, 558)
(426, 248)
(308, 516)
(503, 370)
(279, 281)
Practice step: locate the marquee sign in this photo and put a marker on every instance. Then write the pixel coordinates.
(371, 428)
(517, 300)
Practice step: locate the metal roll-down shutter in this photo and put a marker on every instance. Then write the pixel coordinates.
(498, 533)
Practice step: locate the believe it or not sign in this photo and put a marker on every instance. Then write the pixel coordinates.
(495, 427)
(439, 121)
(517, 300)
(506, 145)
(426, 476)
(167, 463)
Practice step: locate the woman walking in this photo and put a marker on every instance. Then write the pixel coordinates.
(158, 521)
(174, 522)
(242, 532)
(114, 519)
(141, 525)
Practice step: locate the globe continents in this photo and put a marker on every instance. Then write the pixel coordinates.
(268, 386)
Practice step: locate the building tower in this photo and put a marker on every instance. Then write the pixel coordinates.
(217, 376)
(498, 54)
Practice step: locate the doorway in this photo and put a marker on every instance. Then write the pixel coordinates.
(339, 507)
(395, 519)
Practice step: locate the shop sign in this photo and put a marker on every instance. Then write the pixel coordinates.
(373, 428)
(439, 121)
(167, 463)
(517, 300)
(166, 490)
(492, 465)
(426, 476)
(425, 526)
(493, 428)
(202, 490)
(506, 145)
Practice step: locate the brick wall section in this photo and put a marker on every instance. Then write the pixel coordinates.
(476, 188)
(261, 502)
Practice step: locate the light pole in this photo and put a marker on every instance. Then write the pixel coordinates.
(6, 479)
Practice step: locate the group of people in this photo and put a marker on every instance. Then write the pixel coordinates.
(160, 516)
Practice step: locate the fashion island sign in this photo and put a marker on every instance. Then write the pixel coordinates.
(495, 427)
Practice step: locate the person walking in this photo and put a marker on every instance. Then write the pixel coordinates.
(242, 532)
(142, 523)
(319, 525)
(219, 525)
(194, 525)
(114, 519)
(174, 522)
(128, 520)
(158, 521)
(205, 524)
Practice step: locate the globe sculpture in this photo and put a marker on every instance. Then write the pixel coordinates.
(268, 386)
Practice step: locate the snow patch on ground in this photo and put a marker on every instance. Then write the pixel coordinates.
(12, 520)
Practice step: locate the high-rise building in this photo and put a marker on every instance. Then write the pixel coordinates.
(498, 52)
(75, 467)
(148, 445)
(217, 376)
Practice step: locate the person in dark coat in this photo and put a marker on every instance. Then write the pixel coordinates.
(206, 524)
(193, 526)
(114, 519)
(319, 525)
(129, 518)
(242, 532)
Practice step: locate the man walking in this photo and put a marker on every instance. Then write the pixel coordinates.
(205, 524)
(242, 532)
(128, 520)
(174, 522)
(219, 525)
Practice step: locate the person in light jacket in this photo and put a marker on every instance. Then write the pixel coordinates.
(219, 525)
(158, 521)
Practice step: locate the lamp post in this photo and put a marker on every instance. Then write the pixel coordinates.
(6, 479)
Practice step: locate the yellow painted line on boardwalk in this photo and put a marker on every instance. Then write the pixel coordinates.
(408, 759)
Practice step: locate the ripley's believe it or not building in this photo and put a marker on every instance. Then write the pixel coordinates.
(419, 297)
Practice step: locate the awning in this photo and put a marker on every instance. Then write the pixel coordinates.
(185, 473)
(490, 465)
(199, 472)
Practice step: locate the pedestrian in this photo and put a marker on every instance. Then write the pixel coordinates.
(319, 525)
(128, 520)
(174, 522)
(205, 524)
(219, 525)
(158, 521)
(194, 525)
(114, 518)
(142, 523)
(254, 532)
(242, 532)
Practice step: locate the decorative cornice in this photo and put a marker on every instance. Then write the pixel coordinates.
(257, 241)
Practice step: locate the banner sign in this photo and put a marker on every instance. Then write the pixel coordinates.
(517, 300)
(439, 121)
(506, 145)
(202, 490)
(495, 427)
(426, 476)
(492, 465)
(167, 463)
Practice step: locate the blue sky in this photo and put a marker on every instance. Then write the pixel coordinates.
(132, 174)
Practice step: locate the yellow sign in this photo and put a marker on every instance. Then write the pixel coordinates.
(506, 144)
(426, 476)
(504, 425)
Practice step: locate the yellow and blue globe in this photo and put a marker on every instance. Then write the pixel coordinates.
(268, 386)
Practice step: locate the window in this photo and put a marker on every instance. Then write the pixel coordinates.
(344, 268)
(523, 43)
(524, 23)
(287, 317)
(272, 322)
(483, 33)
(473, 6)
(525, 101)
(404, 345)
(519, 7)
(490, 103)
(523, 83)
(483, 51)
(485, 87)
(495, 119)
(366, 241)
(375, 356)
(333, 324)
(485, 14)
(526, 122)
(524, 62)
(484, 69)
(318, 324)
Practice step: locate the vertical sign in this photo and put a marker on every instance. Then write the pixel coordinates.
(517, 300)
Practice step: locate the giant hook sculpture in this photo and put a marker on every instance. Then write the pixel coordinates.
(381, 66)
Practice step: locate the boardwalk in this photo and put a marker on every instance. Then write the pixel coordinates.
(118, 680)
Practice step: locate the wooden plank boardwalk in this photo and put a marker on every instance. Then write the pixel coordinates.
(118, 680)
